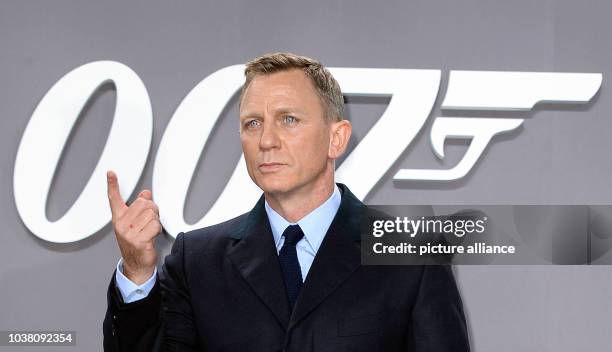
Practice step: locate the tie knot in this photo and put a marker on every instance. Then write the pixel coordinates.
(293, 234)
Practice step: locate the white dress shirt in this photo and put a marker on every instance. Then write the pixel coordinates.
(314, 225)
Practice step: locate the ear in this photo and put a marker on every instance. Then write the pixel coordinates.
(339, 135)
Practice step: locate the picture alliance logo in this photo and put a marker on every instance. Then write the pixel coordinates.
(412, 96)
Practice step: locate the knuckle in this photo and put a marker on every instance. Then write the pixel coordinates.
(151, 205)
(140, 201)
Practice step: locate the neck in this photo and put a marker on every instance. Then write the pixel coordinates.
(294, 205)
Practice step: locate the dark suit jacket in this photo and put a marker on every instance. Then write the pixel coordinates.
(221, 289)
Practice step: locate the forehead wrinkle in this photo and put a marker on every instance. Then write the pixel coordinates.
(292, 98)
(273, 104)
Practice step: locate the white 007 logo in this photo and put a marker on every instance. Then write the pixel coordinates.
(412, 95)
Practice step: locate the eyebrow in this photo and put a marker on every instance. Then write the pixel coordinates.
(248, 115)
(281, 110)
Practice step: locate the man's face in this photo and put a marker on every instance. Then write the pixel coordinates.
(284, 133)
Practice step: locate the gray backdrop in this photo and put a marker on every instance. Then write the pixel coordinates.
(560, 155)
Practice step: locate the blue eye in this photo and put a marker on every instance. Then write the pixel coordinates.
(251, 123)
(290, 119)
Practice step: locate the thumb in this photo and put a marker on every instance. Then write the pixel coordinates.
(146, 194)
(114, 197)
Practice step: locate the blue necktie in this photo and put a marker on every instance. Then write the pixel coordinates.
(292, 274)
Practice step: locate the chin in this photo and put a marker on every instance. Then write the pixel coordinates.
(271, 185)
(275, 189)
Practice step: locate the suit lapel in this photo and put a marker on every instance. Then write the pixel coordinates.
(338, 257)
(256, 258)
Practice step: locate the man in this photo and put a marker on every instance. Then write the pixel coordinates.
(287, 275)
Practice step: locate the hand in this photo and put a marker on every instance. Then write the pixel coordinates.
(136, 227)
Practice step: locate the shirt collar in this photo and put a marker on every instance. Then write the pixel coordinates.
(314, 225)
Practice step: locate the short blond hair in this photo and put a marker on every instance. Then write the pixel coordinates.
(326, 85)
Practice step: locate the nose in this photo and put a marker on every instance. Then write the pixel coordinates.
(269, 136)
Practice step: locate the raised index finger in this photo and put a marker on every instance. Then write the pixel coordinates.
(114, 197)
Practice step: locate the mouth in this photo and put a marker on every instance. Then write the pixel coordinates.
(270, 167)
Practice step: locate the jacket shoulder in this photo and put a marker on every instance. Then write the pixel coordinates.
(212, 237)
